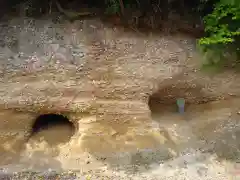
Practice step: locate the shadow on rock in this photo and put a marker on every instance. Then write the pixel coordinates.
(10, 149)
(53, 175)
(132, 159)
(226, 145)
(221, 137)
(41, 161)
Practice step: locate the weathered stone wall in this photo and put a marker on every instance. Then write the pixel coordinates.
(90, 65)
(84, 69)
(88, 68)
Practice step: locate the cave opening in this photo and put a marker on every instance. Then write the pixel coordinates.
(165, 99)
(54, 128)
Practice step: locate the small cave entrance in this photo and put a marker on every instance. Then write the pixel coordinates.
(53, 128)
(157, 105)
(164, 100)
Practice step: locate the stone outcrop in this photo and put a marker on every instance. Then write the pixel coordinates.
(86, 69)
(99, 66)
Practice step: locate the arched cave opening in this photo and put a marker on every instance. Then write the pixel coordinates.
(160, 105)
(164, 100)
(54, 128)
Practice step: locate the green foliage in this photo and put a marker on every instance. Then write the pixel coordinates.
(222, 29)
(113, 6)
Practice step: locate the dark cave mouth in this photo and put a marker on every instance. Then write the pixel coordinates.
(158, 105)
(167, 99)
(50, 121)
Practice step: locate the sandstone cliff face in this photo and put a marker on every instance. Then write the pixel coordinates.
(93, 69)
(105, 80)
(87, 71)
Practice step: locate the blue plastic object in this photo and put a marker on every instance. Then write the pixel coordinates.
(181, 105)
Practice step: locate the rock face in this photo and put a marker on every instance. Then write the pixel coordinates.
(83, 67)
(104, 79)
(85, 70)
(110, 66)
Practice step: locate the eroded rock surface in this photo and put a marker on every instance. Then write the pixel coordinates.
(83, 67)
(101, 78)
